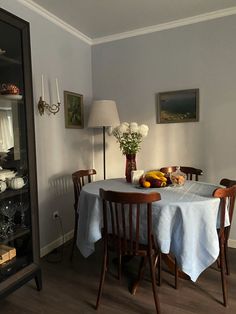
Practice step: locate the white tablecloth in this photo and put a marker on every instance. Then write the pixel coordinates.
(184, 221)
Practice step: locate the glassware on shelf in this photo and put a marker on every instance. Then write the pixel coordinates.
(22, 207)
(3, 229)
(178, 177)
(8, 209)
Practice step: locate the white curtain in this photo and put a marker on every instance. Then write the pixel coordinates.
(6, 130)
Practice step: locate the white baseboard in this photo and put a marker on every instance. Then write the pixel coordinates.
(232, 243)
(56, 243)
(69, 235)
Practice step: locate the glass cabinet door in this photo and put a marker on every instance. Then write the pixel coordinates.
(16, 250)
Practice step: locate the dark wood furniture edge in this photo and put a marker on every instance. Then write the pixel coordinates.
(32, 271)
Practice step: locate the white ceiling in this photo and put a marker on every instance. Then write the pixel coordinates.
(99, 18)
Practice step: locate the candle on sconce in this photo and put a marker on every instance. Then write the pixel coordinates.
(43, 106)
(58, 96)
(42, 85)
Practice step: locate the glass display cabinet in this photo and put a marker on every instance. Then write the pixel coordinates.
(19, 240)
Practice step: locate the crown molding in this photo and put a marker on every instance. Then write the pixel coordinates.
(56, 20)
(165, 26)
(137, 32)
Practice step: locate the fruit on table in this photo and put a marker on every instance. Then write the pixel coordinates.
(156, 175)
(141, 180)
(155, 183)
(154, 179)
(146, 184)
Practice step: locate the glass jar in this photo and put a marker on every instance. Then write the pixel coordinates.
(178, 177)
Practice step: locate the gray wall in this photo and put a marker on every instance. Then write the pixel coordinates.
(60, 151)
(131, 71)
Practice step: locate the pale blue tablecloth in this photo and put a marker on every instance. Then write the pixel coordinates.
(184, 221)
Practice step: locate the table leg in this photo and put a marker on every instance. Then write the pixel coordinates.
(170, 263)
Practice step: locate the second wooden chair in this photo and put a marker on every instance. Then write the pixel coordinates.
(80, 178)
(228, 184)
(227, 201)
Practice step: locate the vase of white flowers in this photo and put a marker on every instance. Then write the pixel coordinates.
(130, 165)
(130, 136)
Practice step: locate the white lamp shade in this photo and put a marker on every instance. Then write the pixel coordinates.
(103, 113)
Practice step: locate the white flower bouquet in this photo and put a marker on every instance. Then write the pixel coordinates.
(130, 136)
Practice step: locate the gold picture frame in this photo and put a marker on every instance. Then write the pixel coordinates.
(178, 106)
(74, 110)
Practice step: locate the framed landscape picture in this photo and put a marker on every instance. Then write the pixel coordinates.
(74, 113)
(178, 106)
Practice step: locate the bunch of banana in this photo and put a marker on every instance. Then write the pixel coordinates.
(156, 178)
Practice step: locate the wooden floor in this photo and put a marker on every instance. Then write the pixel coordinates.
(70, 288)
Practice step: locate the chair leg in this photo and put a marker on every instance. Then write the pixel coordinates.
(102, 277)
(176, 275)
(226, 259)
(142, 265)
(154, 287)
(222, 271)
(119, 266)
(108, 262)
(157, 264)
(38, 280)
(74, 236)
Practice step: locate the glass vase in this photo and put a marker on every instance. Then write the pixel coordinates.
(130, 165)
(178, 177)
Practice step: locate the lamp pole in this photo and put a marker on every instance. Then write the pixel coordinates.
(104, 151)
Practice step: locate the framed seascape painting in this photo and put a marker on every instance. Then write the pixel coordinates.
(178, 106)
(74, 113)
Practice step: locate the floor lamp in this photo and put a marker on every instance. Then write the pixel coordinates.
(103, 114)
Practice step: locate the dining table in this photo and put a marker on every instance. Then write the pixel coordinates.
(185, 221)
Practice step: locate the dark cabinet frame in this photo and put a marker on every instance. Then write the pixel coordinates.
(33, 270)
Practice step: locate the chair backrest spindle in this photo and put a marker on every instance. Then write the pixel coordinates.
(80, 178)
(124, 218)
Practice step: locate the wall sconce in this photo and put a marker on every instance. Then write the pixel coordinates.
(44, 106)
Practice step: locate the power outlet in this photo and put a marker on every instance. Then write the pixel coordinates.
(55, 214)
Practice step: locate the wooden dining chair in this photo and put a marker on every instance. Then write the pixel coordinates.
(80, 178)
(228, 183)
(192, 173)
(121, 223)
(227, 201)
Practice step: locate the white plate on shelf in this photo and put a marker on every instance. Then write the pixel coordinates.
(11, 97)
